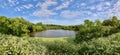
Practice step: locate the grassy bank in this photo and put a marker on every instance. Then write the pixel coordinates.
(64, 39)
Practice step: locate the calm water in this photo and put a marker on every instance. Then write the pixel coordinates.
(55, 33)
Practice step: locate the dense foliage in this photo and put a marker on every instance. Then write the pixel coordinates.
(90, 30)
(101, 46)
(92, 38)
(17, 26)
(11, 45)
(61, 48)
(53, 26)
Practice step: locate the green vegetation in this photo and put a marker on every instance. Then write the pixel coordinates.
(17, 26)
(21, 27)
(97, 29)
(92, 38)
(11, 45)
(109, 45)
(53, 26)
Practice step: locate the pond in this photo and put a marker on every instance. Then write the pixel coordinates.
(55, 33)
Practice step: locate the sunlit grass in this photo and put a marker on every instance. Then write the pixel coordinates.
(64, 39)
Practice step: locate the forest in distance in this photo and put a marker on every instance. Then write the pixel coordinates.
(92, 38)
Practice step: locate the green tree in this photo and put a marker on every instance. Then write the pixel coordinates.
(88, 23)
(17, 26)
(98, 23)
(115, 21)
(107, 22)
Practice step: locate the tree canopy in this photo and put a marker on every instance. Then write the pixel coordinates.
(17, 26)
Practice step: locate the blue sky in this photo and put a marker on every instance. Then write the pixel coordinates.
(62, 12)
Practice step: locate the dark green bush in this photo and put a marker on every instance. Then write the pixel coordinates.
(87, 34)
(90, 33)
(18, 26)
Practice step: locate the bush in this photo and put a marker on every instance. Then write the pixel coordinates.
(87, 34)
(101, 46)
(19, 46)
(11, 45)
(90, 33)
(61, 48)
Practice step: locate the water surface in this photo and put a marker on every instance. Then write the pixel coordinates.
(55, 33)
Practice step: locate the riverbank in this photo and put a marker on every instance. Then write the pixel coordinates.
(64, 39)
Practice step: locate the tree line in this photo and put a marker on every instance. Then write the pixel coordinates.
(21, 27)
(90, 30)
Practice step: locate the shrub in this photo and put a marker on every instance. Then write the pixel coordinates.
(61, 48)
(11, 45)
(20, 46)
(101, 46)
(90, 33)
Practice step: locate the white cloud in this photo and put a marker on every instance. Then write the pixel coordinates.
(17, 9)
(116, 9)
(93, 1)
(99, 6)
(13, 2)
(102, 6)
(38, 4)
(48, 8)
(28, 6)
(107, 13)
(59, 22)
(117, 6)
(83, 4)
(44, 11)
(74, 14)
(3, 4)
(47, 3)
(20, 8)
(92, 7)
(70, 14)
(8, 3)
(108, 3)
(63, 5)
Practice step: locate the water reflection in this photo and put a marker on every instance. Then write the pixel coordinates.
(55, 33)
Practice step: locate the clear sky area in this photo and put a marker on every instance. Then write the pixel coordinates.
(61, 12)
